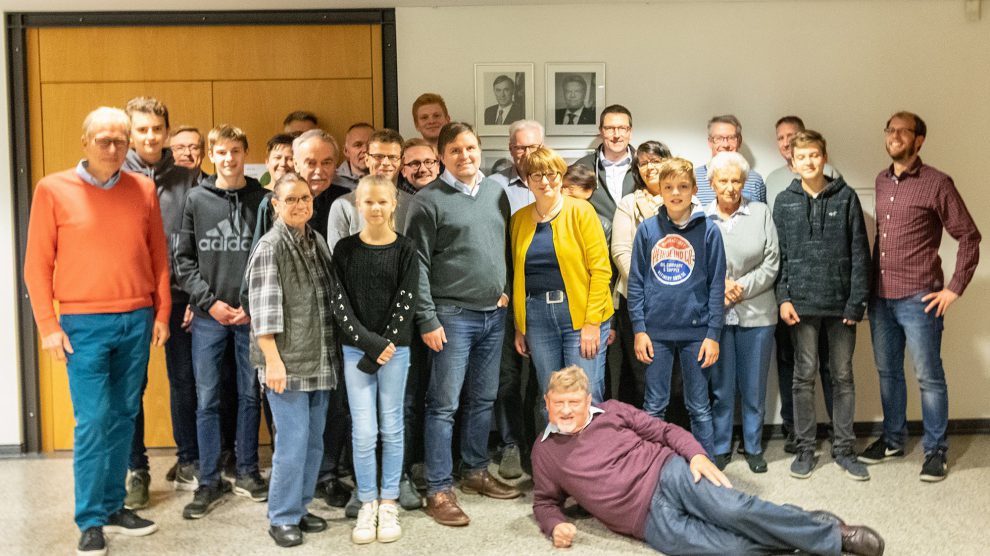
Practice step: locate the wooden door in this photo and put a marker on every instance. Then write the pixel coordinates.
(248, 76)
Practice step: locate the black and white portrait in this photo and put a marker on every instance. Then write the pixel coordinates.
(575, 95)
(503, 95)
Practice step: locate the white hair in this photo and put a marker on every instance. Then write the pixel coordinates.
(105, 115)
(521, 125)
(727, 160)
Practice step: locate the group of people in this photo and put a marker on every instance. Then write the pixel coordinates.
(385, 290)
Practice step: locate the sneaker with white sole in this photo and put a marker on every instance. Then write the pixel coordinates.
(252, 486)
(92, 543)
(934, 468)
(186, 477)
(389, 529)
(880, 451)
(126, 522)
(365, 530)
(852, 467)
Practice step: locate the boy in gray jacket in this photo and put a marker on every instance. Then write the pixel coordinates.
(823, 283)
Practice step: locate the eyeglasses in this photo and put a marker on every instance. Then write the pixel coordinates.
(654, 162)
(415, 165)
(105, 142)
(719, 139)
(192, 149)
(379, 158)
(540, 176)
(888, 131)
(516, 149)
(617, 129)
(293, 201)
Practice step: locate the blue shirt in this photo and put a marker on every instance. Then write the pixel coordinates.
(542, 267)
(470, 190)
(515, 188)
(754, 189)
(82, 169)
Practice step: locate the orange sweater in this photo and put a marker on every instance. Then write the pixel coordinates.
(95, 250)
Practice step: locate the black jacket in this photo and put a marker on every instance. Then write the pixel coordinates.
(602, 199)
(824, 251)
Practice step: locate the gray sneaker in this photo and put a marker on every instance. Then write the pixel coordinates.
(804, 464)
(138, 481)
(853, 468)
(409, 497)
(186, 477)
(353, 506)
(511, 465)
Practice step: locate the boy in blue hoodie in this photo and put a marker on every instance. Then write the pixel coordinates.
(676, 294)
(214, 243)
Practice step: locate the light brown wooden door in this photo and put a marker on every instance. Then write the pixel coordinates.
(248, 76)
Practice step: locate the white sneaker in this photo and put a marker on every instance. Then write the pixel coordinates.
(364, 529)
(389, 529)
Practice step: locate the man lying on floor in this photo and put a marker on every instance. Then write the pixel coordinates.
(641, 476)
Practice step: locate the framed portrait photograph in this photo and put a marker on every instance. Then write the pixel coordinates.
(495, 160)
(503, 93)
(575, 95)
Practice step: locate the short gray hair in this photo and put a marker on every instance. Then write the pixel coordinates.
(521, 125)
(105, 115)
(316, 134)
(726, 160)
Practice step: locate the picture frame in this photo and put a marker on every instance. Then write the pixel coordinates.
(575, 94)
(494, 160)
(503, 93)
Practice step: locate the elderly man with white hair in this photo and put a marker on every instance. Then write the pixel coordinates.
(651, 480)
(110, 311)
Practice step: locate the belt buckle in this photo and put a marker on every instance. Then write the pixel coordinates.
(555, 297)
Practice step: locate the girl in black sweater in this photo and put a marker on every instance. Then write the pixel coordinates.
(378, 272)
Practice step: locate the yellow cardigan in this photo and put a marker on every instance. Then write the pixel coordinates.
(582, 255)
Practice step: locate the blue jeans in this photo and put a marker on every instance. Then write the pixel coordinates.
(209, 339)
(469, 361)
(299, 421)
(696, 384)
(106, 371)
(688, 519)
(376, 402)
(841, 344)
(554, 344)
(743, 362)
(896, 324)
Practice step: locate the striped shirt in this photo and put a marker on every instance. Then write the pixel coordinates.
(911, 210)
(754, 189)
(267, 317)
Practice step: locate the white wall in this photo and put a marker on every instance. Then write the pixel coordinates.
(842, 65)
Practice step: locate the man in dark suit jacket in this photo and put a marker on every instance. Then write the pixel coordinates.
(574, 112)
(615, 130)
(507, 107)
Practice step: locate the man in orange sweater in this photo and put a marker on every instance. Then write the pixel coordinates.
(96, 245)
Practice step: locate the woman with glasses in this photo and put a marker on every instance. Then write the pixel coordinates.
(561, 274)
(294, 348)
(633, 209)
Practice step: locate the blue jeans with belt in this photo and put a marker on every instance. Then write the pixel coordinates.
(469, 362)
(106, 371)
(554, 343)
(896, 324)
(699, 519)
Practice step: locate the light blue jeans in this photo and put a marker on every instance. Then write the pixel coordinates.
(299, 421)
(376, 402)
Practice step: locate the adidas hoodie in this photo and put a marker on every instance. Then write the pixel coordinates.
(677, 279)
(215, 241)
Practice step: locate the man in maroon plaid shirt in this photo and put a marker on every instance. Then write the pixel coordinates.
(914, 202)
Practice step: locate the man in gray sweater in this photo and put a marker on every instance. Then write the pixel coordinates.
(459, 225)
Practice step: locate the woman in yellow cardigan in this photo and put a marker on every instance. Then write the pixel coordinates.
(561, 275)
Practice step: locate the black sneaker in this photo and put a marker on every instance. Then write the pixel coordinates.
(879, 451)
(333, 492)
(353, 506)
(251, 486)
(721, 460)
(804, 464)
(170, 476)
(934, 468)
(757, 463)
(92, 543)
(206, 498)
(186, 477)
(126, 522)
(228, 467)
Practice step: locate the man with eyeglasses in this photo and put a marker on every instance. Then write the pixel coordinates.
(355, 164)
(725, 134)
(150, 157)
(512, 417)
(420, 165)
(384, 158)
(612, 161)
(110, 311)
(187, 145)
(914, 203)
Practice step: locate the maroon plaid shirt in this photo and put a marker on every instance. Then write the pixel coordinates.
(911, 210)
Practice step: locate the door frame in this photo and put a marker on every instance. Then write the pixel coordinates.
(17, 24)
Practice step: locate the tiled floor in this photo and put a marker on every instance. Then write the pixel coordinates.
(948, 518)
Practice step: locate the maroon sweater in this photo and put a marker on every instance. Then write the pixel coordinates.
(611, 467)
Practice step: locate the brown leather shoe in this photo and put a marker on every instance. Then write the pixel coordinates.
(443, 508)
(861, 540)
(482, 482)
